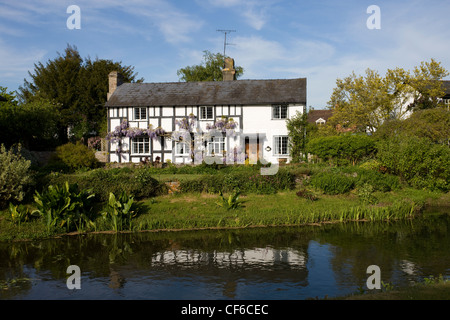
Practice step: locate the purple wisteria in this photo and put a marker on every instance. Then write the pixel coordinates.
(187, 124)
(223, 124)
(124, 131)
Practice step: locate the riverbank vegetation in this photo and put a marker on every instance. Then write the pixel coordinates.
(139, 199)
(338, 173)
(432, 288)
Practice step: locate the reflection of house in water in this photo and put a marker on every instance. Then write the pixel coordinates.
(259, 257)
(230, 270)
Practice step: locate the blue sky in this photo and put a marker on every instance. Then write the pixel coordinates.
(321, 40)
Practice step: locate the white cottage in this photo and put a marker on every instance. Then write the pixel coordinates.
(259, 109)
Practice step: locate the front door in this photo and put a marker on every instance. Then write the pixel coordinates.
(252, 150)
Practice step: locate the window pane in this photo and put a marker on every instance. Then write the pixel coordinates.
(281, 145)
(277, 145)
(209, 112)
(283, 112)
(284, 145)
(136, 113)
(276, 112)
(143, 113)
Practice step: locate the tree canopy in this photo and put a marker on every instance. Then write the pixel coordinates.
(78, 86)
(209, 70)
(33, 124)
(363, 103)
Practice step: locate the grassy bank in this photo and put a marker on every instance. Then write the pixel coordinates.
(439, 290)
(201, 210)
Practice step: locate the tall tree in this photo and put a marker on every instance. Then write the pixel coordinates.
(78, 86)
(427, 86)
(33, 124)
(209, 70)
(298, 130)
(364, 103)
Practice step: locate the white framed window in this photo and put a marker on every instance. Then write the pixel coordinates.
(206, 113)
(281, 144)
(280, 111)
(140, 145)
(216, 146)
(181, 149)
(140, 113)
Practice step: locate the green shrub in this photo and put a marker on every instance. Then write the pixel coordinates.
(372, 164)
(19, 213)
(15, 176)
(365, 194)
(379, 181)
(344, 149)
(332, 182)
(306, 194)
(120, 211)
(65, 207)
(230, 203)
(76, 156)
(418, 161)
(137, 182)
(245, 181)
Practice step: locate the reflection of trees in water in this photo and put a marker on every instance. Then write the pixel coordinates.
(227, 258)
(416, 248)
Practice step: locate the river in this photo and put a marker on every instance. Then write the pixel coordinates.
(288, 263)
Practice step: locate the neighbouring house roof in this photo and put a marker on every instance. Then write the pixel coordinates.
(238, 92)
(446, 87)
(314, 115)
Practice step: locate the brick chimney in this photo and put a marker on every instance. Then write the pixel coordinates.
(228, 72)
(115, 80)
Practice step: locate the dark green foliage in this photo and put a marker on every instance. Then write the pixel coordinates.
(32, 124)
(418, 161)
(365, 194)
(66, 207)
(76, 156)
(135, 182)
(343, 149)
(332, 182)
(245, 181)
(78, 85)
(297, 131)
(379, 181)
(209, 70)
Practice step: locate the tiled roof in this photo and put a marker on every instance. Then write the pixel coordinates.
(314, 115)
(446, 87)
(238, 92)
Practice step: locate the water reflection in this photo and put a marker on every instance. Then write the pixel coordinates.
(273, 263)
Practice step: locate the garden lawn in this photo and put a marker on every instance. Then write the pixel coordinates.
(200, 210)
(183, 211)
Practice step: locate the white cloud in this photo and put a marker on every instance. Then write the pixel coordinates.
(254, 13)
(16, 63)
